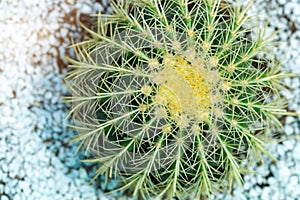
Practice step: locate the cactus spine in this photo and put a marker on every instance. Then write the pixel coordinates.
(172, 95)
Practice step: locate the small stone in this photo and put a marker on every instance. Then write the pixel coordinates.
(70, 2)
(112, 184)
(51, 183)
(4, 167)
(289, 130)
(283, 174)
(247, 185)
(281, 2)
(82, 173)
(265, 193)
(296, 83)
(2, 147)
(252, 194)
(64, 188)
(259, 179)
(63, 32)
(66, 8)
(98, 7)
(85, 8)
(296, 152)
(296, 190)
(4, 197)
(280, 150)
(296, 10)
(275, 194)
(289, 120)
(293, 180)
(48, 95)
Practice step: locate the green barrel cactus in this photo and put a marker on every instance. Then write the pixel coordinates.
(173, 97)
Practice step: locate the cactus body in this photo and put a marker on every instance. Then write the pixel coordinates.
(171, 96)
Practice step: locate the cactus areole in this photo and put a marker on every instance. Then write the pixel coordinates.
(170, 97)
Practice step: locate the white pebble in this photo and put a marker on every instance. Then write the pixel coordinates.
(289, 130)
(296, 152)
(63, 32)
(4, 197)
(85, 8)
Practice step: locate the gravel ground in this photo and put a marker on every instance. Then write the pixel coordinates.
(36, 160)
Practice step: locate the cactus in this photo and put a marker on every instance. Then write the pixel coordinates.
(172, 96)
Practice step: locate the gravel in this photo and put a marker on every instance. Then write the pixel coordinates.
(36, 160)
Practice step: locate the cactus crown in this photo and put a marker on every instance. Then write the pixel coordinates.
(172, 95)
